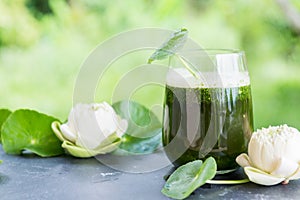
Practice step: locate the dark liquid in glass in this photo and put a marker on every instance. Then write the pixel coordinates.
(223, 113)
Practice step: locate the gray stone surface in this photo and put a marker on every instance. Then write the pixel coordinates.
(65, 177)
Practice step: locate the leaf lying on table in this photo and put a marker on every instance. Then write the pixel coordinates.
(171, 46)
(4, 113)
(189, 177)
(143, 134)
(132, 145)
(30, 130)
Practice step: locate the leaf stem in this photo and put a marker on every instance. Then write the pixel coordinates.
(186, 65)
(228, 182)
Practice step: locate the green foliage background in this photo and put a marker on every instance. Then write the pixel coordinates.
(43, 43)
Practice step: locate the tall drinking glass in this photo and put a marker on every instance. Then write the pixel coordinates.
(208, 107)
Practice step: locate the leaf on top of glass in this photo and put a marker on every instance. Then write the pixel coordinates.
(171, 46)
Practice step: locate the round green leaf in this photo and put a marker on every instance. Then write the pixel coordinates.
(171, 46)
(30, 130)
(142, 122)
(189, 177)
(4, 113)
(143, 134)
(132, 145)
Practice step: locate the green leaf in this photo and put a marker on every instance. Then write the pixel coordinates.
(30, 130)
(187, 178)
(143, 134)
(171, 46)
(4, 113)
(132, 145)
(142, 122)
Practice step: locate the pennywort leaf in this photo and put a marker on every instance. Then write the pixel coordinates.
(143, 134)
(142, 122)
(141, 145)
(136, 146)
(30, 130)
(4, 113)
(171, 46)
(189, 177)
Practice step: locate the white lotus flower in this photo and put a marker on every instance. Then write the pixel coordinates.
(273, 156)
(91, 129)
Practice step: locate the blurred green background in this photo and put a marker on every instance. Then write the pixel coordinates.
(43, 44)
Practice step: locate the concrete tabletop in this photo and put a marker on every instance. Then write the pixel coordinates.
(31, 177)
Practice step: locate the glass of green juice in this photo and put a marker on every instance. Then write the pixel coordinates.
(207, 107)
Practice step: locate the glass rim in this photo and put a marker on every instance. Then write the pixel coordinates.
(214, 51)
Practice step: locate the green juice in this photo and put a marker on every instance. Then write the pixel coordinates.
(216, 121)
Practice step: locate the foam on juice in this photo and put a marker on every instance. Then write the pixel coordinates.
(182, 78)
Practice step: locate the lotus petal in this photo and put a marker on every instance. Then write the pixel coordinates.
(243, 160)
(260, 177)
(285, 168)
